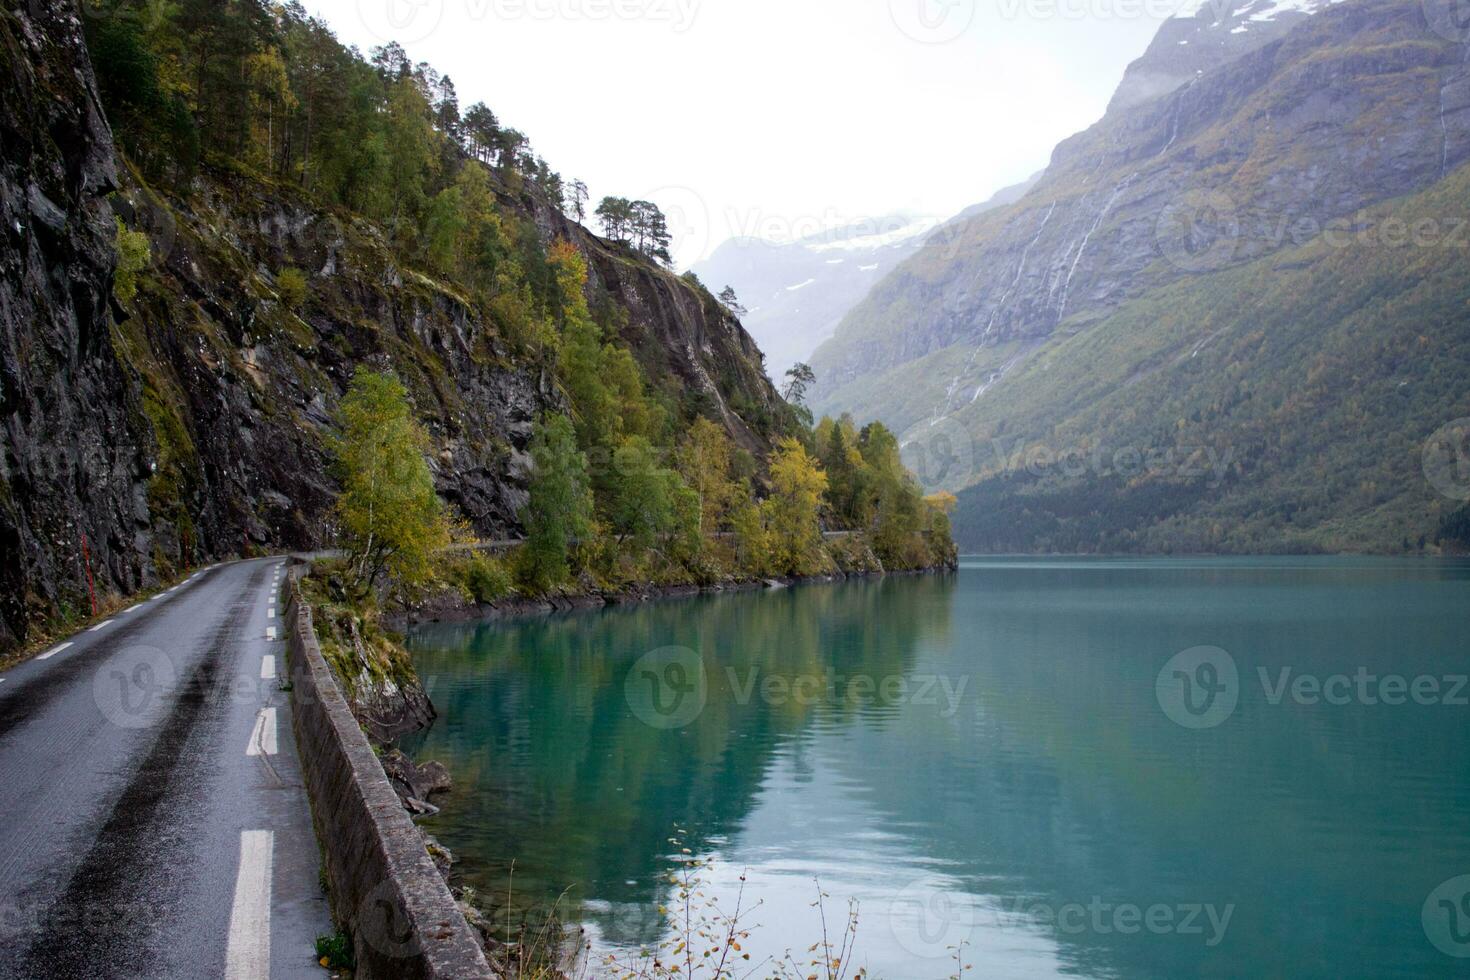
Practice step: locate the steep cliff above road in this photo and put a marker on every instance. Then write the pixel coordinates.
(188, 419)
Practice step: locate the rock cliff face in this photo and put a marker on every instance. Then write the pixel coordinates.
(191, 423)
(1232, 138)
(67, 412)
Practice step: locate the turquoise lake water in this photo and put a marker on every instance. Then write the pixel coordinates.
(1099, 768)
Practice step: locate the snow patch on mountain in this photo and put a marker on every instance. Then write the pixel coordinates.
(882, 239)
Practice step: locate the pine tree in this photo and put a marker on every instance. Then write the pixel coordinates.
(731, 302)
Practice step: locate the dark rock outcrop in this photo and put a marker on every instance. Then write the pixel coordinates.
(72, 454)
(415, 784)
(191, 423)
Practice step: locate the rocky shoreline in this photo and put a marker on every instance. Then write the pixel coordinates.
(451, 607)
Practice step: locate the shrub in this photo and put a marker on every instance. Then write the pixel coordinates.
(291, 287)
(133, 254)
(487, 579)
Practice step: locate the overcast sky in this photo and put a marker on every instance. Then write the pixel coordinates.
(776, 118)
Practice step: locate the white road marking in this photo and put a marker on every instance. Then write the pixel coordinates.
(248, 955)
(53, 651)
(105, 622)
(130, 609)
(270, 613)
(270, 632)
(268, 667)
(263, 735)
(2, 680)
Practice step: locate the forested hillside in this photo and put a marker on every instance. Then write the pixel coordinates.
(1282, 406)
(242, 213)
(1220, 263)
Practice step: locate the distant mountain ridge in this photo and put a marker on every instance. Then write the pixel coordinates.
(1234, 137)
(796, 293)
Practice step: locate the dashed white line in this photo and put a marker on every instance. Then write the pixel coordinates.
(270, 613)
(105, 622)
(263, 735)
(248, 954)
(270, 632)
(130, 609)
(53, 651)
(268, 667)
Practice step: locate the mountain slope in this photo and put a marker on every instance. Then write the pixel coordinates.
(1278, 406)
(190, 421)
(1356, 104)
(1270, 131)
(796, 293)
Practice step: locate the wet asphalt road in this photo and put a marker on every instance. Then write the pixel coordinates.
(152, 817)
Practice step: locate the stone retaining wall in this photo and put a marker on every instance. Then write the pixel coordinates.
(385, 891)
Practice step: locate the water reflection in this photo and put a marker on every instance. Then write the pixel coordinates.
(983, 760)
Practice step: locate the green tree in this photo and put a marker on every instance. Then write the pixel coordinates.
(576, 201)
(850, 480)
(480, 129)
(640, 504)
(799, 377)
(752, 542)
(445, 226)
(897, 498)
(559, 512)
(731, 302)
(412, 152)
(792, 512)
(392, 520)
(704, 460)
(616, 217)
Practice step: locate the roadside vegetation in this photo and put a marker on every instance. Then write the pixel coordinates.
(637, 477)
(694, 513)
